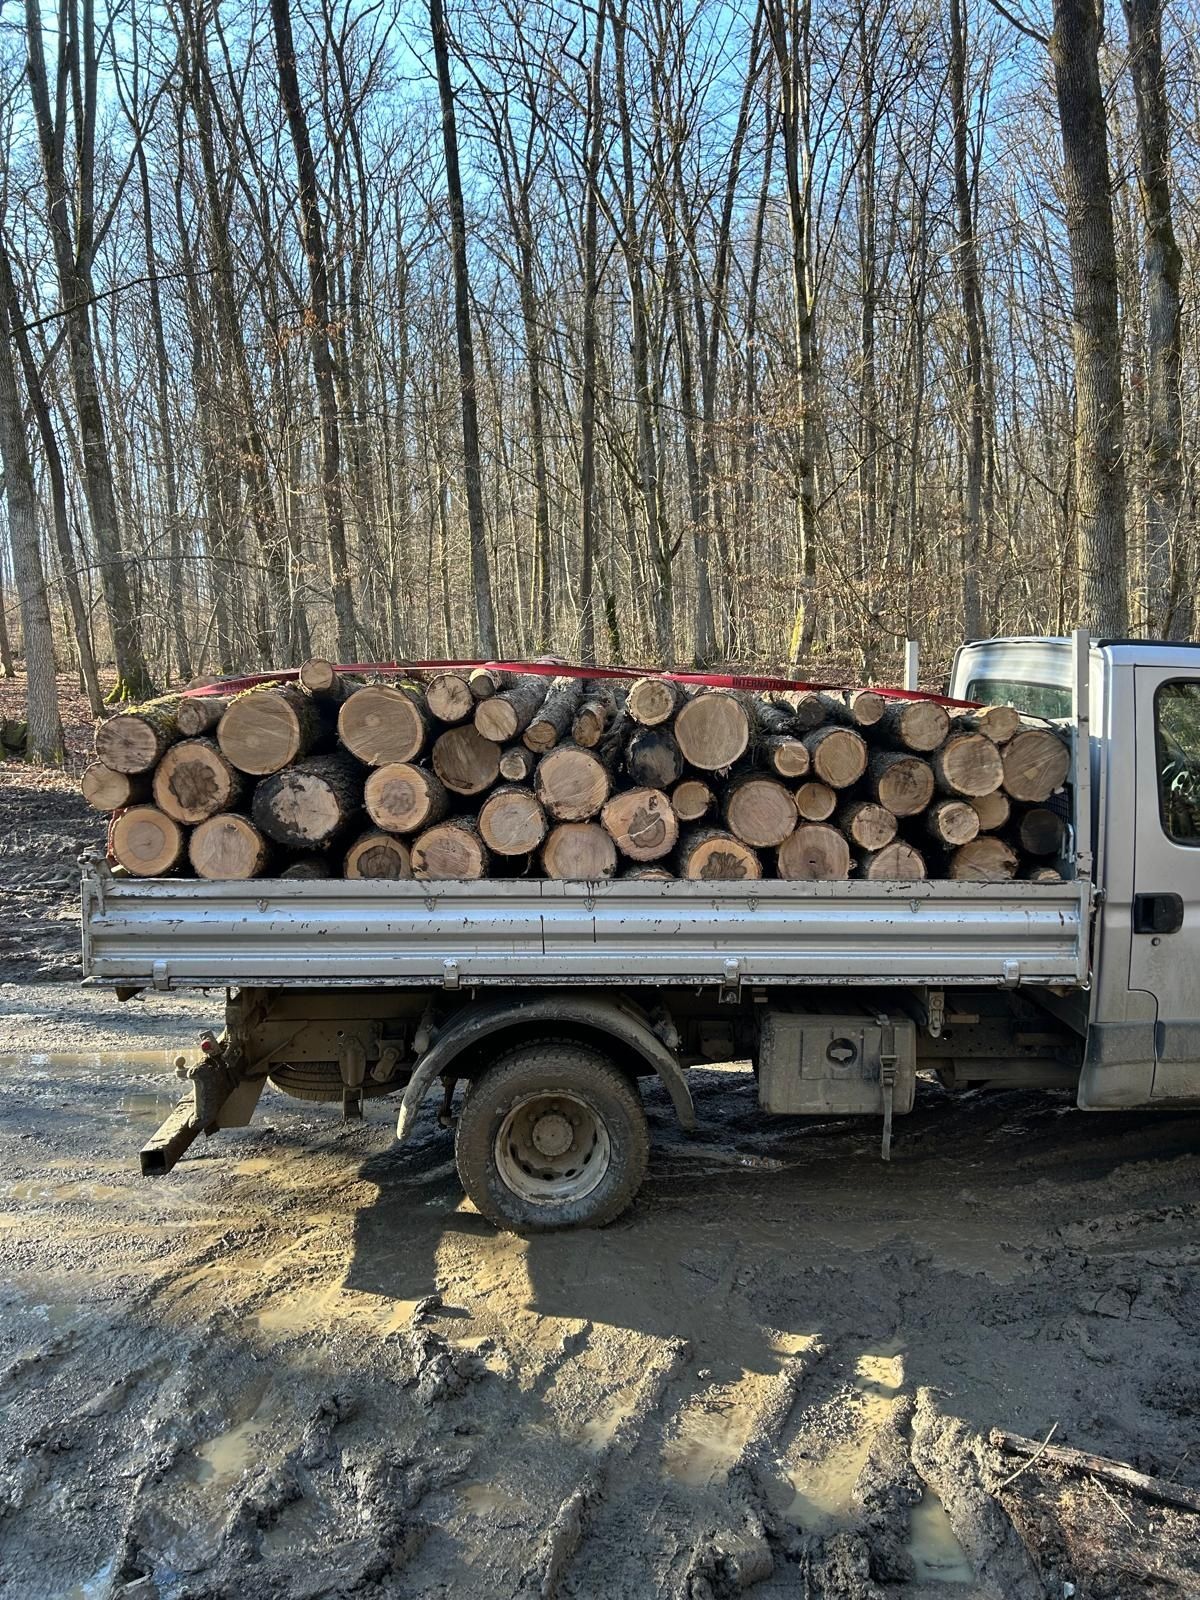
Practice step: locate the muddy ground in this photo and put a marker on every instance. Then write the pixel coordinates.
(303, 1366)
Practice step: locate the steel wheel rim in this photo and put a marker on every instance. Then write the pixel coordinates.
(533, 1155)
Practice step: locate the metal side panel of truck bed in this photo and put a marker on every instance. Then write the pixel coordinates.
(279, 933)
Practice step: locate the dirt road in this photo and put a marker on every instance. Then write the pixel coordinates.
(303, 1366)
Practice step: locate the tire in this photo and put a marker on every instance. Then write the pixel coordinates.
(511, 1142)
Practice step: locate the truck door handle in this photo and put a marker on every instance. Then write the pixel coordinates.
(1157, 913)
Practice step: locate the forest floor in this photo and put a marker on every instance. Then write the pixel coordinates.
(302, 1365)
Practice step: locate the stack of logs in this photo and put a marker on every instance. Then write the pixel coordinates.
(484, 773)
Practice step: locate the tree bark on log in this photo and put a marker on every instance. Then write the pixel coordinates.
(711, 855)
(572, 783)
(465, 761)
(642, 824)
(383, 723)
(952, 822)
(553, 720)
(814, 853)
(897, 862)
(1036, 763)
(308, 804)
(106, 790)
(903, 783)
(146, 841)
(199, 714)
(316, 867)
(759, 811)
(785, 754)
(403, 798)
(195, 780)
(838, 755)
(579, 850)
(653, 701)
(450, 849)
(815, 802)
(484, 682)
(653, 759)
(502, 717)
(596, 711)
(919, 725)
(512, 821)
(449, 698)
(866, 824)
(692, 800)
(135, 740)
(228, 847)
(378, 855)
(266, 729)
(865, 707)
(997, 723)
(713, 729)
(322, 680)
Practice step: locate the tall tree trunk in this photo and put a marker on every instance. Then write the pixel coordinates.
(591, 290)
(485, 621)
(1099, 412)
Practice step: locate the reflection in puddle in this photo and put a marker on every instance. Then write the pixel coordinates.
(936, 1552)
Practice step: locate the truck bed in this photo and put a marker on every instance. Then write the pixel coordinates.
(280, 933)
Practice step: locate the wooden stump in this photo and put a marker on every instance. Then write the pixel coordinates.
(449, 698)
(228, 847)
(904, 784)
(838, 755)
(710, 855)
(451, 849)
(517, 763)
(572, 783)
(382, 723)
(653, 701)
(692, 800)
(897, 862)
(501, 717)
(465, 761)
(1042, 832)
(378, 855)
(866, 824)
(199, 713)
(596, 711)
(968, 764)
(814, 853)
(146, 842)
(816, 802)
(919, 725)
(579, 850)
(642, 823)
(784, 754)
(307, 805)
(952, 822)
(713, 729)
(307, 867)
(993, 810)
(554, 717)
(759, 811)
(1036, 763)
(512, 821)
(135, 740)
(106, 790)
(653, 760)
(195, 780)
(322, 680)
(985, 860)
(403, 798)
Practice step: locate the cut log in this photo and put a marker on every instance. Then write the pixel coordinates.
(919, 725)
(266, 729)
(865, 707)
(449, 698)
(647, 875)
(642, 823)
(465, 761)
(503, 716)
(451, 849)
(653, 701)
(572, 783)
(903, 783)
(322, 680)
(307, 805)
(808, 709)
(134, 740)
(815, 852)
(710, 855)
(487, 681)
(596, 711)
(784, 754)
(200, 713)
(968, 764)
(554, 717)
(713, 729)
(759, 811)
(512, 821)
(838, 755)
(653, 759)
(228, 847)
(897, 862)
(403, 798)
(1041, 832)
(146, 842)
(106, 790)
(997, 723)
(985, 860)
(580, 850)
(196, 780)
(1036, 763)
(1041, 875)
(692, 800)
(816, 802)
(378, 855)
(307, 867)
(952, 822)
(384, 722)
(993, 810)
(868, 825)
(517, 763)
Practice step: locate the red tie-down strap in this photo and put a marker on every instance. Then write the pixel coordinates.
(555, 669)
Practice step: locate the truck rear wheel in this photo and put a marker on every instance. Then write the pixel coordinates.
(552, 1136)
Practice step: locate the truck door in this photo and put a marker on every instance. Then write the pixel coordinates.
(1165, 944)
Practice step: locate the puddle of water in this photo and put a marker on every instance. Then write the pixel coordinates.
(707, 1445)
(83, 1190)
(936, 1552)
(489, 1500)
(88, 1060)
(149, 1106)
(223, 1459)
(822, 1490)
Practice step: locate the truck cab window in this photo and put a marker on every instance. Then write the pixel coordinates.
(1033, 699)
(1177, 748)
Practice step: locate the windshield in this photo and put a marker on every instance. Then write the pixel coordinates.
(1033, 699)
